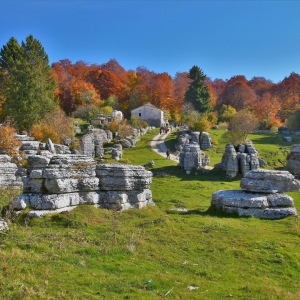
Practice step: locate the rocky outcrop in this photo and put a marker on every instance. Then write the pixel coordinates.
(240, 159)
(116, 152)
(3, 225)
(149, 164)
(293, 159)
(65, 181)
(192, 158)
(262, 195)
(205, 141)
(288, 139)
(91, 144)
(283, 130)
(9, 174)
(269, 181)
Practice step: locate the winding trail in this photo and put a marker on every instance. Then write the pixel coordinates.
(158, 145)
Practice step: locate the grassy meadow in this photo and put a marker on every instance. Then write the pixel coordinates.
(92, 253)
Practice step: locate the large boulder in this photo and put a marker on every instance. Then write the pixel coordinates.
(116, 152)
(9, 177)
(293, 159)
(117, 177)
(192, 158)
(205, 141)
(267, 206)
(269, 181)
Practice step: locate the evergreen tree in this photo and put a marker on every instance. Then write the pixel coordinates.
(29, 86)
(198, 93)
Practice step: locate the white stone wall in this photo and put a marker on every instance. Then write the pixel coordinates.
(153, 116)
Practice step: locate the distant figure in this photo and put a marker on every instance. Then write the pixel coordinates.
(166, 130)
(168, 154)
(177, 154)
(161, 130)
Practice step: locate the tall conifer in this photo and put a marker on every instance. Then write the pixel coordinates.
(198, 93)
(30, 85)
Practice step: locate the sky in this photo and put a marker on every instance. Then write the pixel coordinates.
(223, 38)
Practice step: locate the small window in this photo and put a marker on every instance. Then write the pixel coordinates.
(140, 114)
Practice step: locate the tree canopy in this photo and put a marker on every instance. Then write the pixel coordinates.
(28, 84)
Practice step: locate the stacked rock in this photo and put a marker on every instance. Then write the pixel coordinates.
(262, 195)
(241, 159)
(65, 181)
(9, 173)
(293, 159)
(128, 184)
(205, 141)
(192, 158)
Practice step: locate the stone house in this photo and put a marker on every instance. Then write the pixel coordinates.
(101, 119)
(149, 113)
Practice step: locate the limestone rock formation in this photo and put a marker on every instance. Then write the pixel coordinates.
(65, 181)
(149, 164)
(205, 141)
(283, 130)
(262, 195)
(116, 152)
(192, 158)
(241, 159)
(9, 177)
(270, 181)
(266, 206)
(288, 139)
(91, 144)
(293, 159)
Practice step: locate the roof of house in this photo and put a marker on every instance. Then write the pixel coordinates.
(149, 105)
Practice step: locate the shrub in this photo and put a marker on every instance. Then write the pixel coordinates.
(293, 121)
(201, 125)
(114, 126)
(240, 126)
(106, 110)
(8, 142)
(227, 112)
(56, 125)
(124, 129)
(223, 126)
(137, 122)
(86, 112)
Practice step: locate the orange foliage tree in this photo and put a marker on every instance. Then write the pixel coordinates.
(8, 142)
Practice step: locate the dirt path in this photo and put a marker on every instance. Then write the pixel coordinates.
(158, 145)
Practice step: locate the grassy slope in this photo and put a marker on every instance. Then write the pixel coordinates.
(74, 257)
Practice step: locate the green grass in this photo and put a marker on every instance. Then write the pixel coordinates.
(74, 256)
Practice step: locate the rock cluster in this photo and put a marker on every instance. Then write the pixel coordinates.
(293, 159)
(241, 159)
(191, 157)
(65, 181)
(262, 195)
(9, 173)
(185, 137)
(283, 130)
(91, 144)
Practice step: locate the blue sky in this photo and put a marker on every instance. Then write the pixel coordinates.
(224, 38)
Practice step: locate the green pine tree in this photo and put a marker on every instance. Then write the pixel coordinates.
(198, 93)
(29, 87)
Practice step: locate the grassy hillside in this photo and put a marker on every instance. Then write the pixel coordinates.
(74, 255)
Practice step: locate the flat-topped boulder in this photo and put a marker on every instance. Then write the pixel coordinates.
(269, 181)
(267, 206)
(117, 177)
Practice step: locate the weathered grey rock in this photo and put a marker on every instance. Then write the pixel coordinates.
(116, 152)
(30, 145)
(3, 225)
(50, 147)
(114, 177)
(240, 160)
(293, 159)
(149, 164)
(269, 181)
(23, 137)
(267, 206)
(195, 137)
(99, 151)
(205, 141)
(125, 143)
(283, 130)
(288, 138)
(40, 213)
(192, 158)
(61, 149)
(77, 129)
(9, 177)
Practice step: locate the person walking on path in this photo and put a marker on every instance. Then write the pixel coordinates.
(168, 154)
(177, 154)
